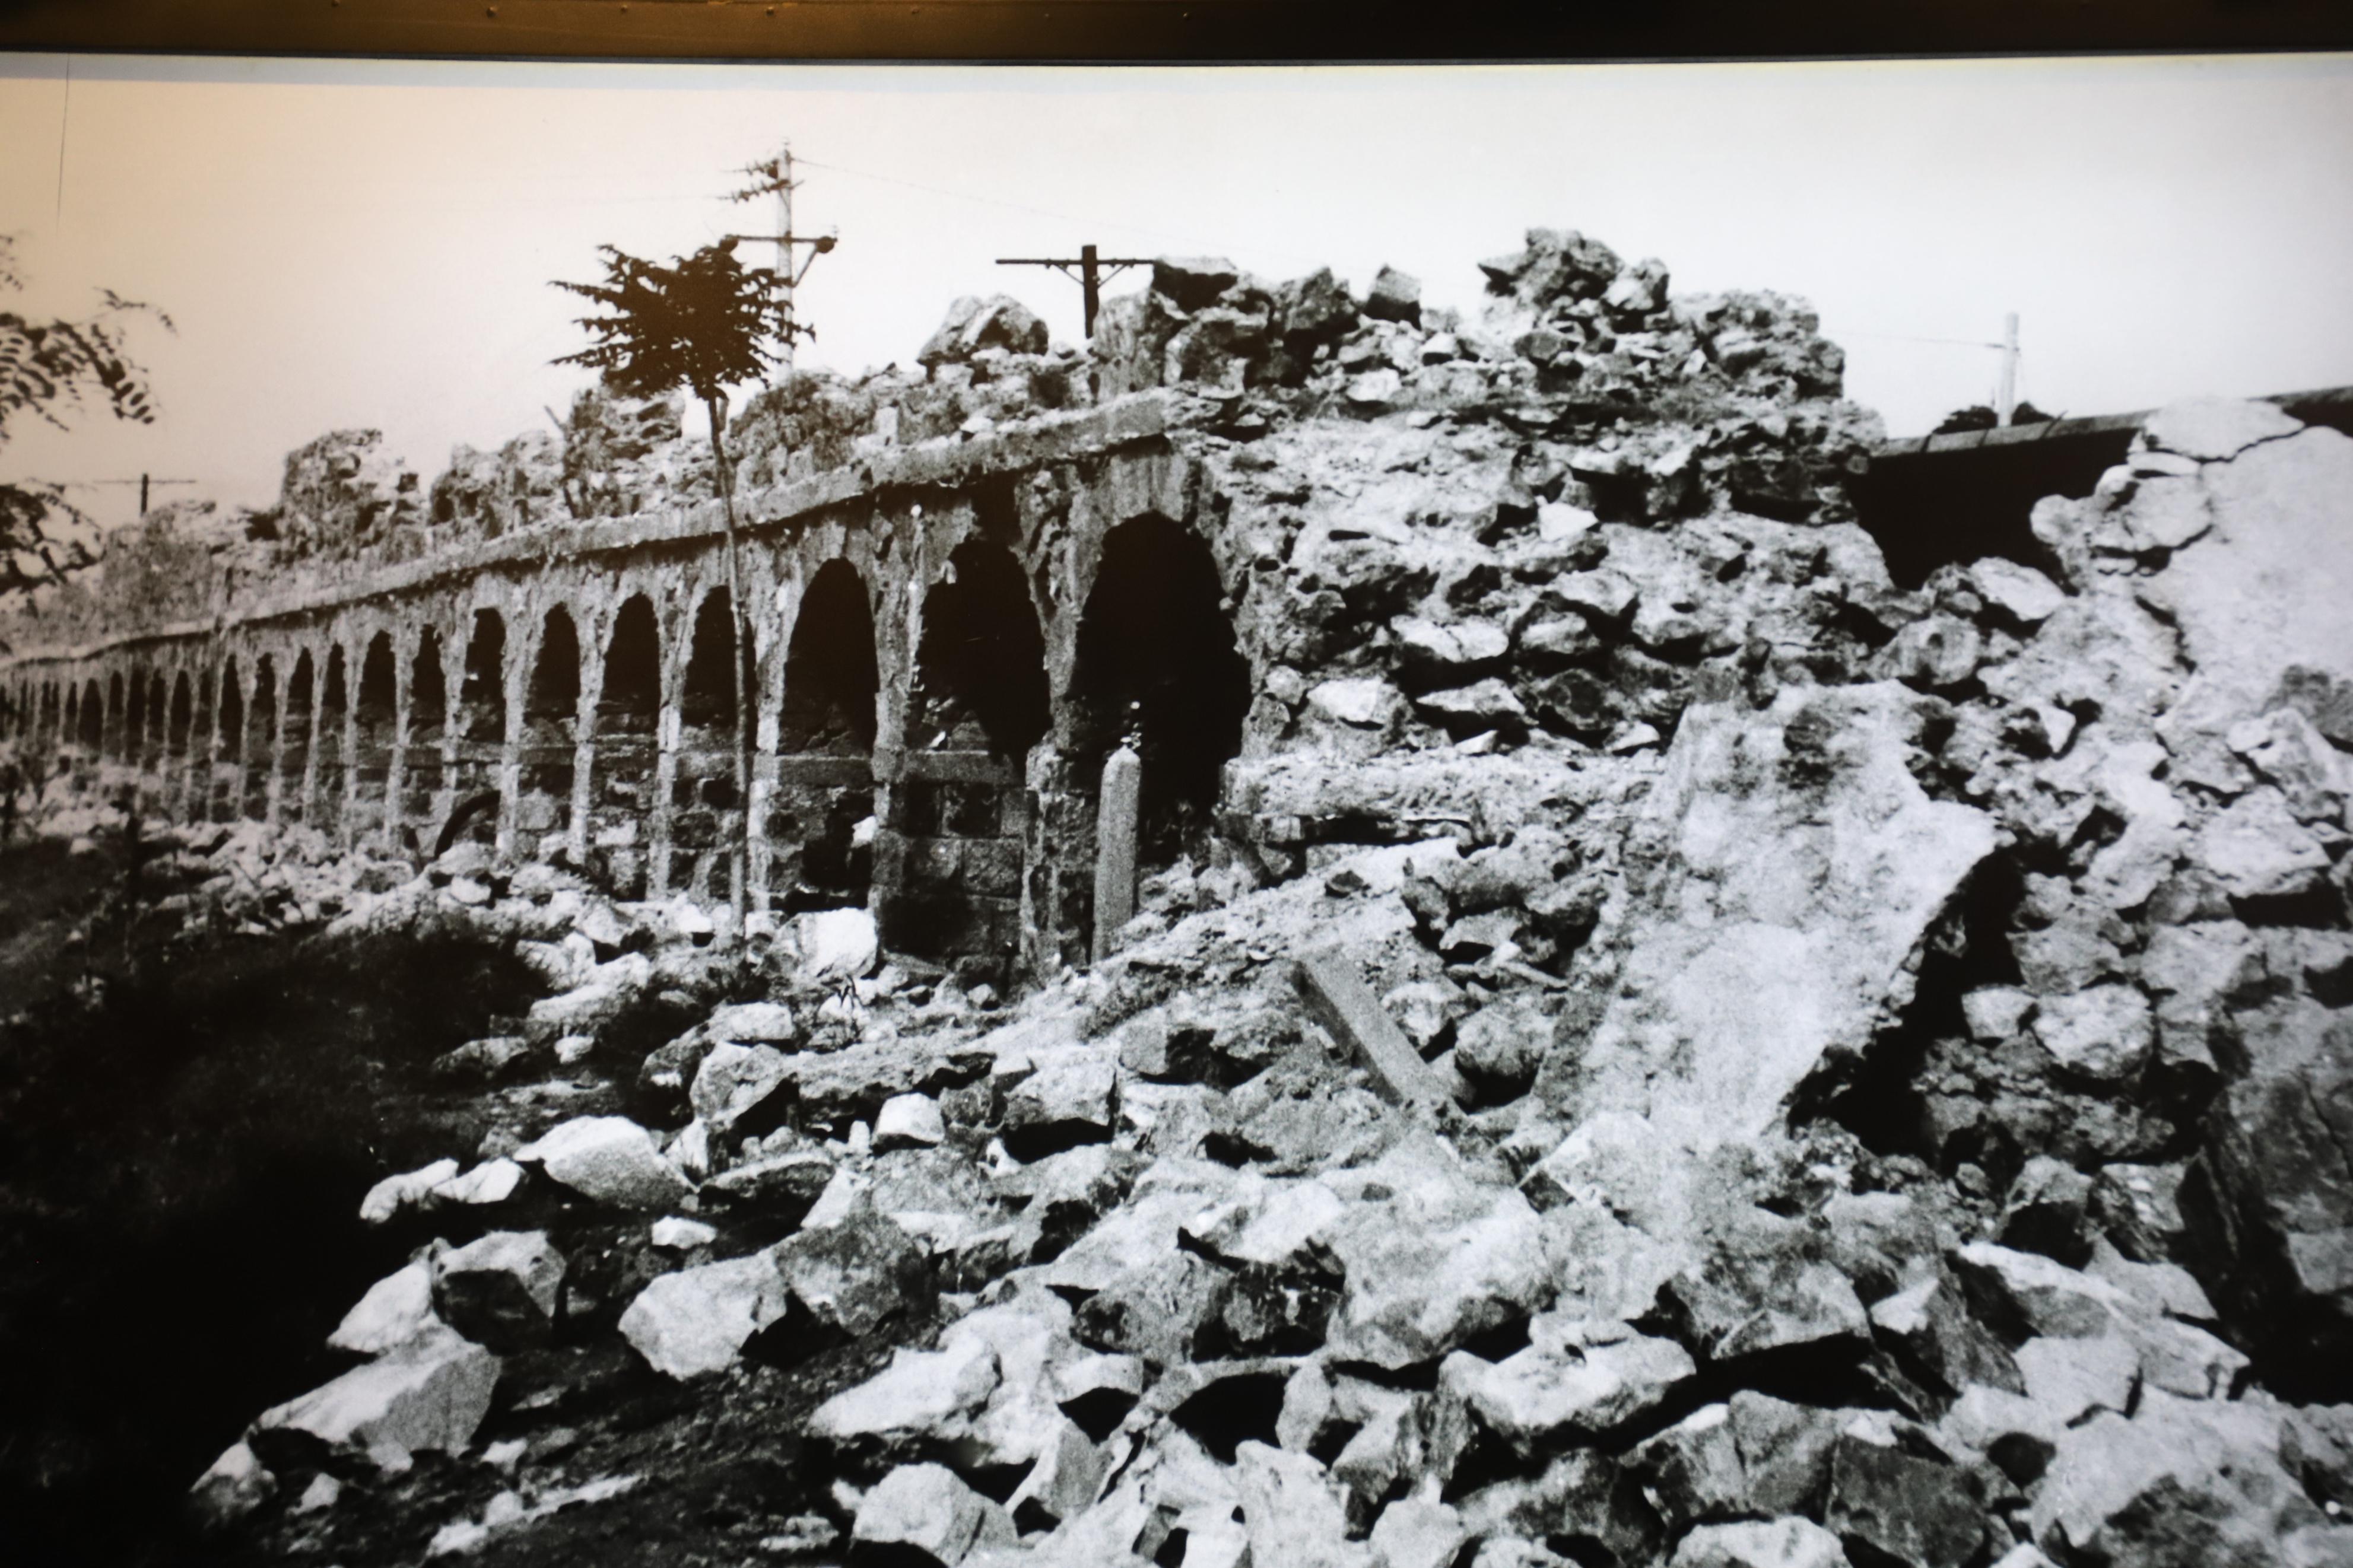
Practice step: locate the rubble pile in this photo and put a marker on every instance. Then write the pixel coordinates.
(1682, 1052)
(1148, 1265)
(1956, 1185)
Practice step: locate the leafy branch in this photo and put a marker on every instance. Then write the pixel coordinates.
(49, 370)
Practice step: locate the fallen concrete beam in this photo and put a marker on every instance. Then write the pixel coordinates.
(1333, 986)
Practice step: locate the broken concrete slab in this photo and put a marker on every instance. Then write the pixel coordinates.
(1333, 987)
(696, 1321)
(503, 1289)
(394, 1193)
(2179, 1481)
(1744, 975)
(909, 1122)
(396, 1310)
(929, 1513)
(753, 1023)
(1759, 1543)
(919, 1392)
(2214, 430)
(232, 1486)
(609, 1160)
(784, 1186)
(741, 1090)
(1293, 1511)
(1435, 1259)
(1902, 1507)
(430, 1391)
(1532, 1394)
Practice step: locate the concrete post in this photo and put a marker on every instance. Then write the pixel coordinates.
(1116, 824)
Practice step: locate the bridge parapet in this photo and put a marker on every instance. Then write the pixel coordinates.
(541, 690)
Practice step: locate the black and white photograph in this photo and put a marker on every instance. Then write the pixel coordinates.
(998, 815)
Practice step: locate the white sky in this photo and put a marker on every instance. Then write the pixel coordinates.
(369, 243)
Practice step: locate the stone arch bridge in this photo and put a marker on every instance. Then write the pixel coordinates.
(948, 640)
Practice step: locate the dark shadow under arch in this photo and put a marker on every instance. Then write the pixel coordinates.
(113, 741)
(329, 772)
(952, 857)
(1157, 663)
(980, 665)
(629, 721)
(830, 675)
(263, 752)
(90, 718)
(422, 764)
(551, 723)
(294, 748)
(824, 744)
(375, 716)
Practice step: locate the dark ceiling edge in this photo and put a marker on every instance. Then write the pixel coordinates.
(1165, 32)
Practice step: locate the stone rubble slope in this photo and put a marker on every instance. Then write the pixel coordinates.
(1895, 1074)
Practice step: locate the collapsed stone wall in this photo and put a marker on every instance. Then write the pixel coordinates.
(1841, 1072)
(1361, 539)
(1897, 1119)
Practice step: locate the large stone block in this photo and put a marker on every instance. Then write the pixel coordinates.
(1746, 974)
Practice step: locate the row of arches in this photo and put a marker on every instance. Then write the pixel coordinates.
(966, 794)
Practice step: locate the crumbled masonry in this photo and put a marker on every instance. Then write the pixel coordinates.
(1642, 1043)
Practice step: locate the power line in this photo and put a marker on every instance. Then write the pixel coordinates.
(1037, 211)
(1090, 275)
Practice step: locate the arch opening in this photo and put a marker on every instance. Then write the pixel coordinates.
(707, 700)
(228, 781)
(551, 730)
(330, 771)
(132, 745)
(89, 720)
(151, 742)
(629, 724)
(423, 766)
(478, 745)
(113, 741)
(481, 694)
(294, 741)
(949, 855)
(705, 806)
(374, 718)
(263, 754)
(184, 713)
(980, 664)
(825, 749)
(1157, 666)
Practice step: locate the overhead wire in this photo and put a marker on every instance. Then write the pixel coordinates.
(1026, 207)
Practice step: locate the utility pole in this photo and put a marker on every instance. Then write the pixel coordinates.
(143, 481)
(2006, 404)
(1092, 269)
(774, 177)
